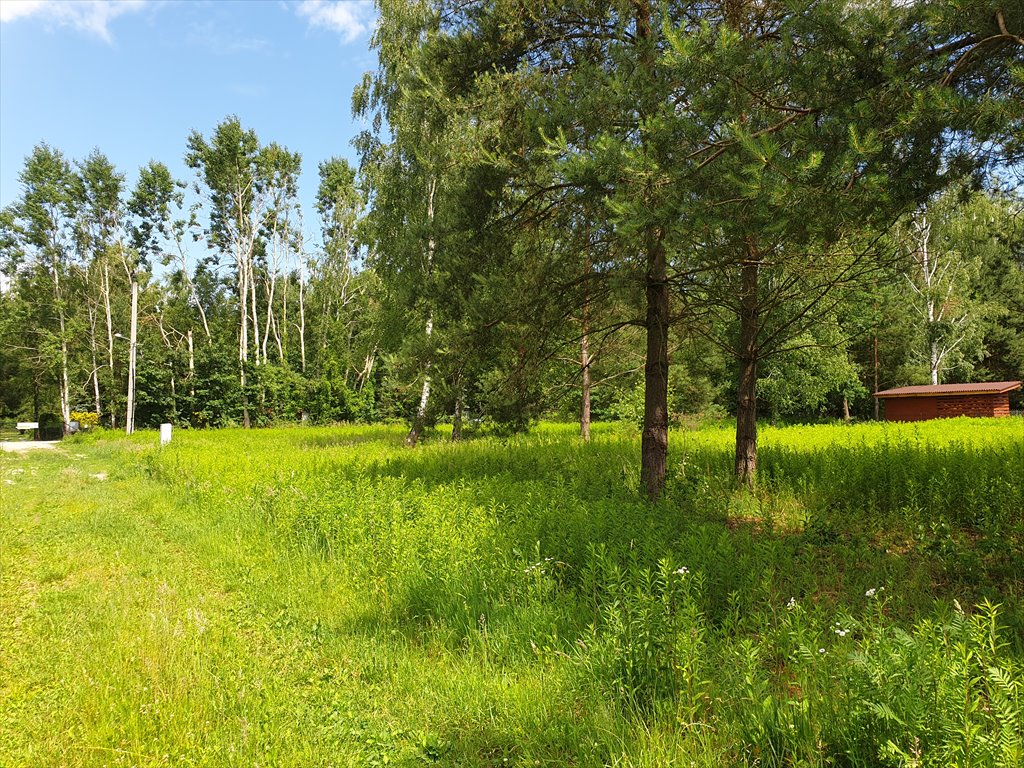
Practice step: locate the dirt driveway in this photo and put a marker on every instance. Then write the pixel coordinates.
(20, 446)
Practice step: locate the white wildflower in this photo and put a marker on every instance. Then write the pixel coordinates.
(791, 604)
(682, 571)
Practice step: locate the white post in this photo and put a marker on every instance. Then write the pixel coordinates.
(165, 434)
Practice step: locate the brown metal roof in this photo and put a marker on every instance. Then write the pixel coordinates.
(941, 390)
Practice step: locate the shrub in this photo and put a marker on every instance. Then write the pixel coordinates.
(85, 419)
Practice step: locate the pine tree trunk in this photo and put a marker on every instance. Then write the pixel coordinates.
(654, 442)
(746, 411)
(585, 366)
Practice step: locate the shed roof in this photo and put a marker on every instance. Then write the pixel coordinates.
(942, 390)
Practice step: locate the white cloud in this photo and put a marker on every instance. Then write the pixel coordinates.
(350, 18)
(11, 10)
(90, 16)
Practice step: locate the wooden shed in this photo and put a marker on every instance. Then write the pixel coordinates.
(939, 401)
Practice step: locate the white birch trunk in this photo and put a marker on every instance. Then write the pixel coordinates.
(254, 312)
(243, 327)
(98, 403)
(193, 292)
(191, 365)
(302, 319)
(110, 341)
(283, 338)
(65, 387)
(270, 290)
(133, 340)
(367, 371)
(421, 411)
(936, 286)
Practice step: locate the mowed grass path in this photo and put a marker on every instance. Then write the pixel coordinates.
(134, 631)
(326, 597)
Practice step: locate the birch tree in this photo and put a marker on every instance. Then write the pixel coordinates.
(42, 246)
(99, 189)
(231, 181)
(339, 202)
(279, 169)
(405, 173)
(943, 268)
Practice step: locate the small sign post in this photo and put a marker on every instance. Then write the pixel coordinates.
(165, 434)
(24, 426)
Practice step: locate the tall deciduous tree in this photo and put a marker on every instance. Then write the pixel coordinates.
(230, 172)
(406, 174)
(152, 204)
(340, 289)
(99, 188)
(41, 245)
(280, 170)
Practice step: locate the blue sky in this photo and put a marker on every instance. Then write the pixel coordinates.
(135, 77)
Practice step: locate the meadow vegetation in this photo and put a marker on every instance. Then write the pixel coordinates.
(326, 596)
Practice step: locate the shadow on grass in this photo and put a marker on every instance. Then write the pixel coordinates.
(564, 500)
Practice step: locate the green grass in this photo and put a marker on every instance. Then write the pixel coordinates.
(300, 597)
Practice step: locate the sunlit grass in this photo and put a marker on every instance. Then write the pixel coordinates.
(329, 597)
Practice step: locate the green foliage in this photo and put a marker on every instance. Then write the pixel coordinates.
(647, 645)
(328, 399)
(279, 391)
(942, 694)
(807, 381)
